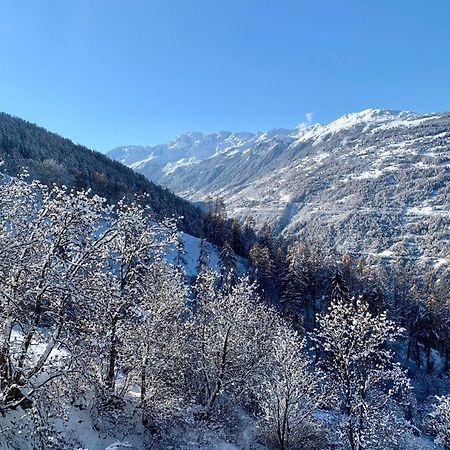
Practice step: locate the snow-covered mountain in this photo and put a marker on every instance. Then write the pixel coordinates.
(376, 181)
(184, 151)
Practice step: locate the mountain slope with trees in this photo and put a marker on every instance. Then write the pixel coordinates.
(54, 159)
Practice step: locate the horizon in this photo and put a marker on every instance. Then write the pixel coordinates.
(307, 123)
(115, 75)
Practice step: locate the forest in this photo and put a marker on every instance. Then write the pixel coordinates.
(104, 344)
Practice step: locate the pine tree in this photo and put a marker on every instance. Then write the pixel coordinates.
(203, 257)
(216, 218)
(228, 263)
(295, 283)
(236, 237)
(339, 289)
(248, 234)
(261, 267)
(266, 238)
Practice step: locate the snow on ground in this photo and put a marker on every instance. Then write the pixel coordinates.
(385, 254)
(441, 262)
(190, 259)
(37, 348)
(387, 118)
(139, 164)
(118, 445)
(172, 166)
(375, 173)
(410, 121)
(423, 211)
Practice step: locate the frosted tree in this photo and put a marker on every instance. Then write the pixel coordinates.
(228, 334)
(289, 393)
(366, 384)
(158, 341)
(116, 285)
(181, 253)
(48, 239)
(440, 421)
(228, 266)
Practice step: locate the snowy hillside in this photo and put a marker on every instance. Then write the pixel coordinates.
(191, 254)
(184, 151)
(373, 182)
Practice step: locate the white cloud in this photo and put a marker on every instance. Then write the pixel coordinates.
(307, 123)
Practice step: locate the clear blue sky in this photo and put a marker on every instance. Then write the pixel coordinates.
(115, 72)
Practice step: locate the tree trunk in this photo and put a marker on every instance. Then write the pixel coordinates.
(428, 350)
(110, 377)
(419, 364)
(220, 377)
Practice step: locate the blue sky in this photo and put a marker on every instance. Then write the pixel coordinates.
(115, 72)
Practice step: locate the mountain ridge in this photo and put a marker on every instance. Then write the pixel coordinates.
(136, 156)
(375, 182)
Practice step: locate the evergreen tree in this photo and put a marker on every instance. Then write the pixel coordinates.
(261, 267)
(295, 283)
(236, 237)
(248, 234)
(203, 257)
(216, 219)
(339, 289)
(266, 238)
(228, 263)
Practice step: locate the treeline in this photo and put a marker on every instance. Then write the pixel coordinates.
(298, 275)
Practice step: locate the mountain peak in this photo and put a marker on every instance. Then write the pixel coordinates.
(370, 116)
(367, 118)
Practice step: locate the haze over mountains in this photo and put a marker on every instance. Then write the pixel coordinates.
(372, 182)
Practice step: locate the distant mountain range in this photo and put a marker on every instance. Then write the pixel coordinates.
(373, 182)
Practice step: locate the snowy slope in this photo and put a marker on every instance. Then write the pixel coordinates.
(189, 260)
(373, 182)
